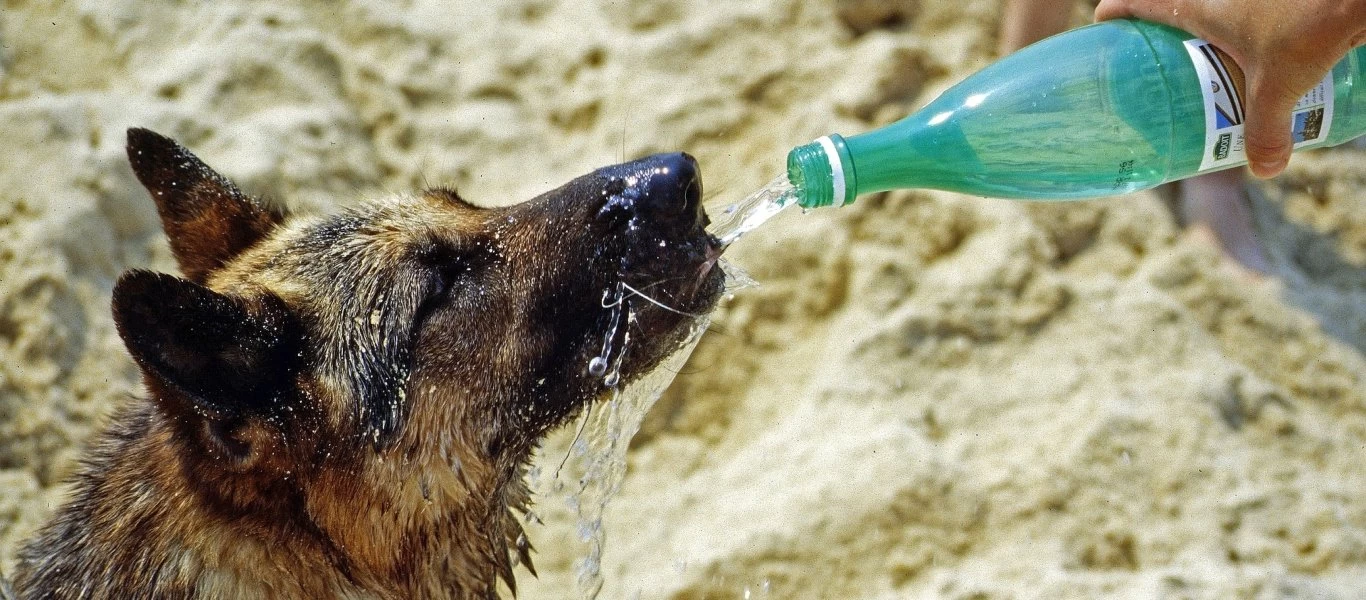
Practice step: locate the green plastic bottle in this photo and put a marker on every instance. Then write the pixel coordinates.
(1101, 110)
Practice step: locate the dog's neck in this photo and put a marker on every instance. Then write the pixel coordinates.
(396, 529)
(434, 523)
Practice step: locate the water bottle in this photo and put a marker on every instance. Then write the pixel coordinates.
(1104, 109)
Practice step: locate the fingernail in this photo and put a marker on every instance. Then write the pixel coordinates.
(1268, 168)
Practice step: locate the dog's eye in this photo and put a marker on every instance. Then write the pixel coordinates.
(442, 267)
(451, 268)
(441, 281)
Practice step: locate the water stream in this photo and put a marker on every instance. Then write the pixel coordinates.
(730, 222)
(587, 477)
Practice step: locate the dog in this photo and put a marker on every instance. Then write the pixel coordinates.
(344, 406)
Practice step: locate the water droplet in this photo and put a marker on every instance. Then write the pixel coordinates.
(598, 366)
(612, 379)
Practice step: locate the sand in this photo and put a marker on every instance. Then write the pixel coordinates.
(928, 395)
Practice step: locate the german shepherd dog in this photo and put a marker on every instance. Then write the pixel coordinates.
(344, 406)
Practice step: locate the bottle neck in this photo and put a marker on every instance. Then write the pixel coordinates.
(822, 173)
(926, 149)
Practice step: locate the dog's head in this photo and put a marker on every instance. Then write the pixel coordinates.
(396, 339)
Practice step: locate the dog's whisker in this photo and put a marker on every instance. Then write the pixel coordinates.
(612, 304)
(587, 414)
(657, 283)
(718, 330)
(660, 304)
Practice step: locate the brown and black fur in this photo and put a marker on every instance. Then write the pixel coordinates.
(343, 407)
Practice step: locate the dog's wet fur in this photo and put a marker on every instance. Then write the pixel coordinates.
(344, 406)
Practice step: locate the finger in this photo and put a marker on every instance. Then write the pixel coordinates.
(1112, 9)
(1161, 11)
(1267, 126)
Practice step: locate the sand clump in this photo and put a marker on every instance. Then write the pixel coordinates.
(928, 395)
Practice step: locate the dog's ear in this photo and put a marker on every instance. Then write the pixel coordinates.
(221, 363)
(207, 219)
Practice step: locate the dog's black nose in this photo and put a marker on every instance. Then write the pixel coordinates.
(665, 189)
(675, 184)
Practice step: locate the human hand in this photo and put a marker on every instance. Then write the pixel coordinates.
(1284, 48)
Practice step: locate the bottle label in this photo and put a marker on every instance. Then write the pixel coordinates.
(1223, 86)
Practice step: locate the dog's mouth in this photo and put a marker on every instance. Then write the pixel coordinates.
(667, 276)
(655, 205)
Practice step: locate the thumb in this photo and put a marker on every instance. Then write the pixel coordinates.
(1267, 124)
(1112, 9)
(1160, 11)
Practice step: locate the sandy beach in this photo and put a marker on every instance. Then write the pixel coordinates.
(927, 395)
